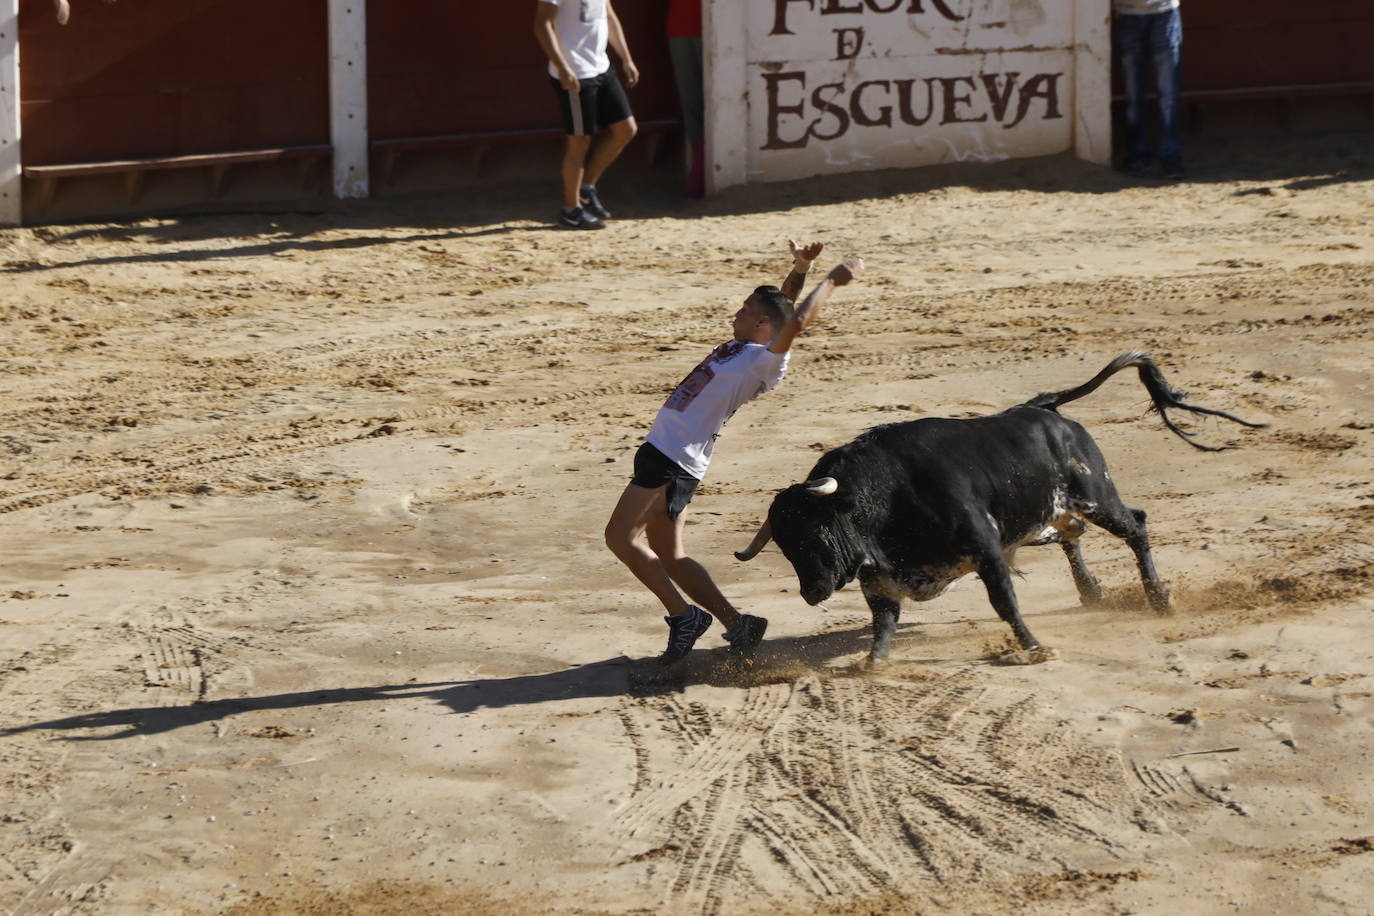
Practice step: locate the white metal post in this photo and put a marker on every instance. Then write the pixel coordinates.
(348, 96)
(1092, 81)
(727, 105)
(11, 175)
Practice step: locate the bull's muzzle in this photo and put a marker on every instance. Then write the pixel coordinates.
(814, 593)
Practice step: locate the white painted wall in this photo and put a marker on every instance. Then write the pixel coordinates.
(726, 92)
(11, 201)
(1092, 130)
(808, 87)
(348, 96)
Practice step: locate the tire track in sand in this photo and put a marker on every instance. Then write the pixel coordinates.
(854, 787)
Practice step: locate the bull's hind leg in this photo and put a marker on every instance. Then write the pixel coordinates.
(1129, 525)
(1089, 589)
(885, 613)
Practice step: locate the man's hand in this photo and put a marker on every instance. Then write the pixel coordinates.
(631, 73)
(569, 81)
(845, 271)
(802, 256)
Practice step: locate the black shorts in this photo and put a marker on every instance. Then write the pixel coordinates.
(599, 103)
(654, 469)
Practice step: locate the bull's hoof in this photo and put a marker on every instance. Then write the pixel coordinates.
(1032, 656)
(1158, 596)
(874, 662)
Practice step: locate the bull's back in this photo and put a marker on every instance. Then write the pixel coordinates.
(1010, 465)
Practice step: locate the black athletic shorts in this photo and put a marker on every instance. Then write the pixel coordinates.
(654, 469)
(599, 103)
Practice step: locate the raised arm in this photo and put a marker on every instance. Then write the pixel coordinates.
(546, 33)
(810, 307)
(801, 263)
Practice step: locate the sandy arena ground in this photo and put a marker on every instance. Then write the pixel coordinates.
(304, 605)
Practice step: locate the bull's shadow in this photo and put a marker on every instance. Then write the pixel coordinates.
(778, 659)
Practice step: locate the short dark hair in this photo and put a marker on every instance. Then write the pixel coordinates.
(775, 305)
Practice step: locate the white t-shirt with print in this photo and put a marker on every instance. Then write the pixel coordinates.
(582, 30)
(688, 423)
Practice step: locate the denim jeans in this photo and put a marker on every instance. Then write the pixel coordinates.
(1141, 41)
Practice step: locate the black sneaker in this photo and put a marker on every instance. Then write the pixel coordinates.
(579, 218)
(683, 632)
(747, 634)
(1172, 169)
(592, 204)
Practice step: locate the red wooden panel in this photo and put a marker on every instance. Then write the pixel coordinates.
(1235, 56)
(1242, 14)
(442, 68)
(169, 77)
(1239, 44)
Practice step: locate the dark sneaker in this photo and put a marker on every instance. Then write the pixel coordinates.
(1137, 167)
(579, 218)
(1172, 169)
(683, 632)
(592, 204)
(747, 634)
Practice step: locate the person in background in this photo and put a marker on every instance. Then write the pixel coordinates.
(684, 46)
(574, 35)
(1149, 35)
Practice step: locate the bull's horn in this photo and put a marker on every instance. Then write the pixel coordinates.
(822, 486)
(763, 537)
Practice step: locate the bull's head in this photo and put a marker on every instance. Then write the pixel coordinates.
(811, 523)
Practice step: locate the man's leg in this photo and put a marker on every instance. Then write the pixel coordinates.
(625, 536)
(1131, 50)
(688, 74)
(1166, 52)
(610, 143)
(665, 540)
(574, 165)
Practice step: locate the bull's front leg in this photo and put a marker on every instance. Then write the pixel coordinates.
(997, 579)
(885, 610)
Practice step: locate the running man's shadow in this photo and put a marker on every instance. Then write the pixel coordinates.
(777, 659)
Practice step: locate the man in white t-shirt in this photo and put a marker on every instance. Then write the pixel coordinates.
(645, 530)
(574, 35)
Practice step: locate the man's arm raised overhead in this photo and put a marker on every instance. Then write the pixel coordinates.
(810, 307)
(802, 256)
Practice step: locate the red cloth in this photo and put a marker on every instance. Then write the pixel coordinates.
(684, 18)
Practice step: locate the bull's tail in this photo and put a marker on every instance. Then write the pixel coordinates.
(1161, 395)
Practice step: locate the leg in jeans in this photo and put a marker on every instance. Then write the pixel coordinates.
(1131, 48)
(1166, 53)
(687, 73)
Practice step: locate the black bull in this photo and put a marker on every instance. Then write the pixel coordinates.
(908, 508)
